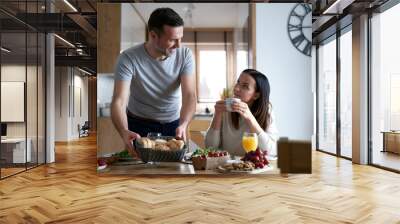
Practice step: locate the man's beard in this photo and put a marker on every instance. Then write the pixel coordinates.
(164, 52)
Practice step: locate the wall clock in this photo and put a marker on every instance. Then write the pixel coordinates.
(299, 28)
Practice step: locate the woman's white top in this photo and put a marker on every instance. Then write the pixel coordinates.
(229, 138)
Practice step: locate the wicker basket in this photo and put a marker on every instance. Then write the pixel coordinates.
(154, 155)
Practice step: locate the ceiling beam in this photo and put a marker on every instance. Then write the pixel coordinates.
(84, 24)
(337, 7)
(320, 23)
(75, 61)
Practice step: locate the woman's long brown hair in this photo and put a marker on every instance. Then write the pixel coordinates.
(260, 106)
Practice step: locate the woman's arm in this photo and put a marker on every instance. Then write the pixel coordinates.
(267, 139)
(253, 125)
(243, 109)
(214, 131)
(219, 111)
(213, 138)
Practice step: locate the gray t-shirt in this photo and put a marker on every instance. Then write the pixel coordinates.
(155, 85)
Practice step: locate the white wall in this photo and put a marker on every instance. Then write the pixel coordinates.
(242, 14)
(12, 101)
(133, 28)
(17, 73)
(67, 83)
(33, 126)
(80, 83)
(61, 104)
(14, 73)
(288, 71)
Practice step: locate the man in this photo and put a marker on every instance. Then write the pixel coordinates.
(152, 80)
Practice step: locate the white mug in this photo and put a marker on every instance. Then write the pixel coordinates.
(229, 102)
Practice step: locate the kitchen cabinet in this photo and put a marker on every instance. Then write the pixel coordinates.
(197, 129)
(108, 139)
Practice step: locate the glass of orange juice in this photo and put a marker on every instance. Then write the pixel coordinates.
(249, 141)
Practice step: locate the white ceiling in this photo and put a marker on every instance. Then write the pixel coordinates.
(204, 15)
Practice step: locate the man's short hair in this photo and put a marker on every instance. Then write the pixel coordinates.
(161, 17)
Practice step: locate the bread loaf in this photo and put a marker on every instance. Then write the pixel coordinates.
(146, 142)
(161, 144)
(175, 144)
(162, 141)
(180, 144)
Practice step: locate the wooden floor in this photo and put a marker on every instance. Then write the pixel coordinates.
(70, 191)
(387, 159)
(5, 172)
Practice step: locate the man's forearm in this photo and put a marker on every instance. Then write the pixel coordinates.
(118, 117)
(188, 109)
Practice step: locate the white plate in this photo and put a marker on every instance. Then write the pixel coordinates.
(255, 171)
(102, 167)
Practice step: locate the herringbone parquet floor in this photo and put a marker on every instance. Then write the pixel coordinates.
(70, 191)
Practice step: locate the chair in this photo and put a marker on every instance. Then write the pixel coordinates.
(84, 129)
(196, 131)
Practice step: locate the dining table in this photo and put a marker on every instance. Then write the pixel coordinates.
(136, 167)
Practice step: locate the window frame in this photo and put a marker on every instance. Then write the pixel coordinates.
(230, 52)
(333, 37)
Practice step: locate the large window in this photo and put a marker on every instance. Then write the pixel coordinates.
(395, 101)
(225, 46)
(346, 93)
(335, 94)
(209, 70)
(385, 88)
(327, 96)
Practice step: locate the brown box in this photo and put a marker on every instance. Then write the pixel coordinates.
(391, 142)
(294, 156)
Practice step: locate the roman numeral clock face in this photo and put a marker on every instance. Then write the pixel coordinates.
(299, 28)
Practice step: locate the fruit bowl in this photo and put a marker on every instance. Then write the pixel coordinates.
(257, 157)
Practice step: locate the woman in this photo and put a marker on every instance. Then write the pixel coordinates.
(251, 114)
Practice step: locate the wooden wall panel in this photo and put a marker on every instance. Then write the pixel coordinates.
(108, 139)
(108, 36)
(92, 98)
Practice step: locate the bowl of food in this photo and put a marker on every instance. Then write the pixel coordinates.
(209, 158)
(162, 149)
